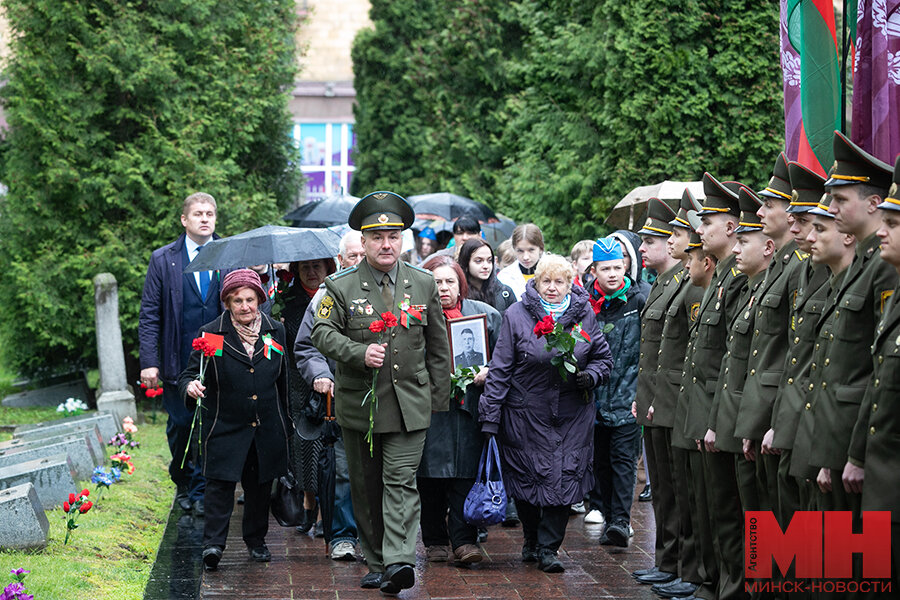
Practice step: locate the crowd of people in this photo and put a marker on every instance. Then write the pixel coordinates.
(755, 373)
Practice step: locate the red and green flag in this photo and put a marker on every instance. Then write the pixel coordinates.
(215, 342)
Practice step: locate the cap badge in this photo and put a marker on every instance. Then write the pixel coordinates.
(382, 218)
(893, 191)
(649, 222)
(382, 195)
(794, 196)
(834, 166)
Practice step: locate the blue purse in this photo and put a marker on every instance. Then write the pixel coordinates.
(486, 502)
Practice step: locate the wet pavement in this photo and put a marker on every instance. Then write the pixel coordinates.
(300, 569)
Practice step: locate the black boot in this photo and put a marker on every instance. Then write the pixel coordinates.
(646, 495)
(309, 519)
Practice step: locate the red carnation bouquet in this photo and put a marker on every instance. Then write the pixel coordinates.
(563, 342)
(387, 321)
(74, 506)
(209, 345)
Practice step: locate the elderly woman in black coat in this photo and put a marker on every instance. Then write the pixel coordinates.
(545, 422)
(244, 415)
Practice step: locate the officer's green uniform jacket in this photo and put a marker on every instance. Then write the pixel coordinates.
(415, 378)
(768, 346)
(653, 318)
(803, 441)
(844, 374)
(674, 370)
(875, 439)
(730, 387)
(807, 304)
(717, 310)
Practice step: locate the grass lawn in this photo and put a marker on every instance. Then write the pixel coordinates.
(111, 553)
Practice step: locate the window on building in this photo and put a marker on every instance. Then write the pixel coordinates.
(326, 157)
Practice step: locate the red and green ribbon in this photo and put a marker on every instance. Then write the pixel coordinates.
(269, 345)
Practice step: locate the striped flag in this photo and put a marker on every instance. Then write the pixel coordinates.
(876, 78)
(810, 65)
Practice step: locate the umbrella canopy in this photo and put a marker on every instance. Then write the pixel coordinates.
(264, 246)
(322, 213)
(443, 205)
(623, 215)
(496, 233)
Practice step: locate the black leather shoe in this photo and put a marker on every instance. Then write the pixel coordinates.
(677, 590)
(512, 514)
(398, 577)
(260, 554)
(642, 572)
(211, 558)
(183, 499)
(529, 552)
(549, 563)
(199, 508)
(371, 581)
(659, 577)
(617, 534)
(240, 499)
(646, 494)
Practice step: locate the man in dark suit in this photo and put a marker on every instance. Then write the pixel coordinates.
(174, 305)
(468, 357)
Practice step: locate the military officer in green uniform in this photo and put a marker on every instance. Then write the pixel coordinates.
(806, 304)
(873, 447)
(412, 361)
(719, 220)
(768, 345)
(858, 183)
(657, 440)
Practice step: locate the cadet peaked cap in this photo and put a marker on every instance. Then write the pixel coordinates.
(750, 203)
(853, 165)
(694, 243)
(659, 215)
(808, 187)
(607, 248)
(381, 210)
(720, 198)
(689, 206)
(892, 200)
(822, 205)
(780, 184)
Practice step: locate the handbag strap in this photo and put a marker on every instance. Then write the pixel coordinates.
(494, 458)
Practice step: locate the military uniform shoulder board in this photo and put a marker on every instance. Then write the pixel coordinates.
(343, 273)
(419, 269)
(801, 255)
(677, 277)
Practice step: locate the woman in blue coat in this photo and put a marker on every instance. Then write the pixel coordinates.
(545, 422)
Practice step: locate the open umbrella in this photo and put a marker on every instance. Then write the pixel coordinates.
(443, 205)
(327, 467)
(624, 214)
(496, 233)
(264, 246)
(322, 213)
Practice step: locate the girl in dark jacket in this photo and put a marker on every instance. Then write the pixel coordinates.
(244, 415)
(544, 422)
(476, 257)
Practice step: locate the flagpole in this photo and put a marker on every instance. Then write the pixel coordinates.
(845, 50)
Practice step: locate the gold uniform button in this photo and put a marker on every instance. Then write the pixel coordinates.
(759, 314)
(830, 336)
(725, 386)
(871, 431)
(642, 355)
(874, 407)
(693, 380)
(253, 397)
(810, 389)
(877, 382)
(837, 313)
(880, 359)
(756, 332)
(800, 320)
(753, 371)
(797, 340)
(790, 381)
(824, 385)
(808, 406)
(396, 367)
(251, 369)
(726, 369)
(755, 352)
(253, 424)
(794, 360)
(827, 361)
(640, 369)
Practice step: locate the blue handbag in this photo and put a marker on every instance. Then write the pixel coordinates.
(486, 501)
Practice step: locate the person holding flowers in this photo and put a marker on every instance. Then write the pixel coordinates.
(389, 380)
(537, 401)
(238, 375)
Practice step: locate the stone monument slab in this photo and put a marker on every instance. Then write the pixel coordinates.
(52, 395)
(23, 523)
(76, 447)
(95, 445)
(53, 478)
(105, 422)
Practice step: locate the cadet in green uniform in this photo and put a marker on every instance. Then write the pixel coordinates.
(806, 305)
(657, 440)
(768, 346)
(413, 380)
(873, 447)
(857, 184)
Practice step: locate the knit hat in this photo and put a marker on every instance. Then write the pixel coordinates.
(242, 278)
(607, 248)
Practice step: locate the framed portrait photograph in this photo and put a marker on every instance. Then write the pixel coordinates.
(468, 341)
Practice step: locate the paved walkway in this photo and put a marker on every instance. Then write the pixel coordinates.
(301, 570)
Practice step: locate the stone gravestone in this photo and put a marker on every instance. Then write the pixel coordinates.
(53, 478)
(113, 396)
(23, 523)
(76, 447)
(105, 422)
(95, 445)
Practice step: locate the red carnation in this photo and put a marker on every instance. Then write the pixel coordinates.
(66, 506)
(71, 498)
(85, 507)
(376, 326)
(389, 319)
(198, 343)
(143, 386)
(544, 326)
(85, 492)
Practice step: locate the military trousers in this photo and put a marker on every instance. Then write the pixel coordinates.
(727, 518)
(789, 499)
(658, 442)
(688, 551)
(385, 498)
(702, 522)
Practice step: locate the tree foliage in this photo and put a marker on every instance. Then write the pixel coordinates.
(551, 110)
(117, 111)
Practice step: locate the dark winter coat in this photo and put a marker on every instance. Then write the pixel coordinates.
(544, 426)
(245, 401)
(453, 442)
(620, 319)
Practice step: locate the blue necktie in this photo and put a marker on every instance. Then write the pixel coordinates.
(204, 280)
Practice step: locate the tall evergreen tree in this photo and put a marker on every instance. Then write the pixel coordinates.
(117, 111)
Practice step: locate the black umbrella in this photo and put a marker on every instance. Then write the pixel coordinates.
(330, 434)
(449, 206)
(264, 246)
(496, 233)
(322, 213)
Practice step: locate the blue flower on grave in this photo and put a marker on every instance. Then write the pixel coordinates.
(116, 474)
(101, 478)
